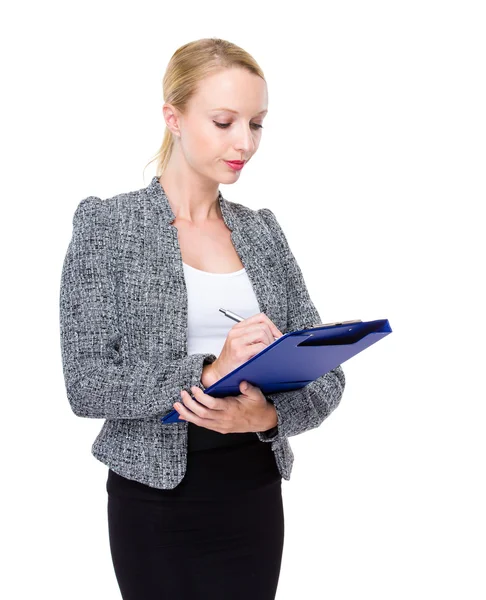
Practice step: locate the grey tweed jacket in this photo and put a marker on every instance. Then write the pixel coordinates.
(123, 325)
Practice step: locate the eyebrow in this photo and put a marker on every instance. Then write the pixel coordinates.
(236, 112)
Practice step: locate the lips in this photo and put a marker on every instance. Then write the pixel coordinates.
(236, 165)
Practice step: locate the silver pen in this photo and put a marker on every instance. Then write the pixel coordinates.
(235, 317)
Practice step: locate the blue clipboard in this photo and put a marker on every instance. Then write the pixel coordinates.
(297, 358)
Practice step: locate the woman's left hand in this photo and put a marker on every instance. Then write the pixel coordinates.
(248, 412)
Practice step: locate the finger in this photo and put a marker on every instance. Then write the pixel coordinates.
(252, 392)
(244, 387)
(194, 405)
(248, 389)
(257, 335)
(182, 416)
(273, 328)
(264, 334)
(262, 318)
(182, 411)
(190, 409)
(209, 401)
(189, 404)
(191, 415)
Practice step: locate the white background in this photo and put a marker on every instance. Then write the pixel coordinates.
(373, 160)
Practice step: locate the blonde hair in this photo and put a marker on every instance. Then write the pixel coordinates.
(188, 66)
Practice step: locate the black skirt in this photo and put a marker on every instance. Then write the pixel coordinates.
(219, 534)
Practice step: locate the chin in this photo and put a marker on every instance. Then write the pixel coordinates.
(232, 178)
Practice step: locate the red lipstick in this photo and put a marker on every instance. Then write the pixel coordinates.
(236, 165)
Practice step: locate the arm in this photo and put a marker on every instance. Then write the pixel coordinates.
(304, 409)
(101, 382)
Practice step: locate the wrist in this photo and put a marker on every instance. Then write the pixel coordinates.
(208, 375)
(273, 419)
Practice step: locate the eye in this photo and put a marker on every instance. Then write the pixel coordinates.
(226, 125)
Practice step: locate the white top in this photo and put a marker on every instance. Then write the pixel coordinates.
(207, 292)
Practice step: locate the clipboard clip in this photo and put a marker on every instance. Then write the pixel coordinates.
(334, 324)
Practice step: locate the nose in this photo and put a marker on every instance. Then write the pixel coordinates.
(245, 143)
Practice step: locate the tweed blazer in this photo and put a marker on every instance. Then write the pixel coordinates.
(123, 326)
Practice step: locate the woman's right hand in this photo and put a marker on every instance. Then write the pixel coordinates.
(244, 340)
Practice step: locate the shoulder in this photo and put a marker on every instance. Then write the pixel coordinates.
(270, 222)
(261, 218)
(98, 208)
(91, 211)
(267, 216)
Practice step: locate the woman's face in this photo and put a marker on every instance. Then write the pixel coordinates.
(210, 133)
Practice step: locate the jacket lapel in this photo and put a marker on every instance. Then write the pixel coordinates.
(254, 248)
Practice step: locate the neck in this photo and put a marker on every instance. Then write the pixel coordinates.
(192, 201)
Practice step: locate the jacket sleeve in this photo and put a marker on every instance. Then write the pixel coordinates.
(100, 382)
(306, 408)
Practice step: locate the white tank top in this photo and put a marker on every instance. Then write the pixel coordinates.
(207, 329)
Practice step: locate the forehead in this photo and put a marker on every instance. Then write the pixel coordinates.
(235, 112)
(235, 91)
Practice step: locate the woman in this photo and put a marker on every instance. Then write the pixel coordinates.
(194, 507)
